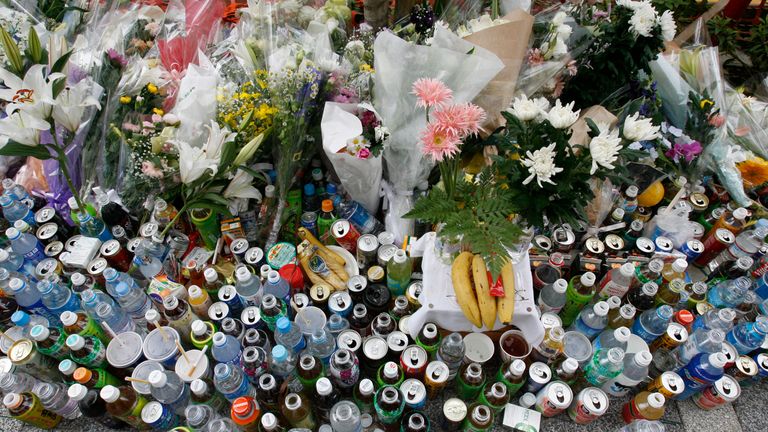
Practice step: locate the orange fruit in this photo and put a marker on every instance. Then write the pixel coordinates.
(652, 195)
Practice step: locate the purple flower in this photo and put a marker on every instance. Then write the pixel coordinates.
(116, 58)
(685, 150)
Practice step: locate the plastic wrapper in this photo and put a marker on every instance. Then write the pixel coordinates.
(361, 178)
(398, 64)
(196, 101)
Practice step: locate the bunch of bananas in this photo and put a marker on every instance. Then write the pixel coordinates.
(320, 264)
(473, 292)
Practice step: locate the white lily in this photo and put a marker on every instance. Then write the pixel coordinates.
(217, 137)
(72, 102)
(193, 162)
(23, 128)
(33, 94)
(241, 186)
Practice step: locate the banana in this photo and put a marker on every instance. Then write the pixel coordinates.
(486, 302)
(462, 286)
(506, 304)
(328, 254)
(339, 270)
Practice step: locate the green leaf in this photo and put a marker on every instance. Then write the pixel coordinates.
(254, 173)
(228, 153)
(12, 52)
(34, 48)
(58, 85)
(58, 66)
(15, 149)
(216, 198)
(593, 129)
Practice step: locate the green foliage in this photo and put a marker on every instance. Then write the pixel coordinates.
(15, 149)
(480, 215)
(701, 108)
(745, 50)
(685, 11)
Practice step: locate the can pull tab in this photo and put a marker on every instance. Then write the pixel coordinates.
(596, 402)
(560, 396)
(414, 358)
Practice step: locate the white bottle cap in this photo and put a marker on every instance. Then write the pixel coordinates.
(613, 302)
(198, 327)
(587, 279)
(656, 400)
(16, 284)
(195, 291)
(527, 400)
(12, 400)
(75, 342)
(323, 386)
(157, 378)
(366, 386)
(560, 286)
(717, 360)
(517, 367)
(67, 367)
(570, 365)
(679, 266)
(77, 392)
(740, 213)
(210, 275)
(622, 334)
(12, 233)
(39, 333)
(152, 315)
(643, 358)
(601, 308)
(110, 393)
(390, 370)
(170, 302)
(198, 387)
(268, 421)
(632, 191)
(627, 269)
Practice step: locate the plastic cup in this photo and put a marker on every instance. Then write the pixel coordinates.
(203, 369)
(513, 346)
(159, 347)
(309, 319)
(577, 346)
(479, 348)
(125, 350)
(142, 372)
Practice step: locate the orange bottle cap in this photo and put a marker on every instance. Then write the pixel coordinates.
(245, 410)
(82, 375)
(327, 205)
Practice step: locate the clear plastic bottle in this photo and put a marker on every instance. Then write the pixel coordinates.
(289, 335)
(27, 407)
(674, 270)
(81, 324)
(11, 266)
(728, 293)
(747, 337)
(58, 298)
(94, 227)
(512, 375)
(283, 363)
(212, 282)
(652, 323)
(26, 322)
(635, 371)
(113, 277)
(321, 345)
(277, 286)
(90, 299)
(612, 338)
(231, 382)
(721, 319)
(168, 389)
(592, 320)
(605, 365)
(233, 327)
(55, 398)
(651, 272)
(552, 297)
(115, 318)
(644, 426)
(26, 245)
(566, 371)
(135, 302)
(16, 382)
(580, 292)
(345, 417)
(298, 412)
(549, 272)
(451, 352)
(199, 417)
(28, 298)
(226, 349)
(199, 300)
(749, 242)
(399, 270)
(617, 281)
(248, 287)
(336, 324)
(359, 217)
(623, 316)
(14, 210)
(551, 345)
(700, 341)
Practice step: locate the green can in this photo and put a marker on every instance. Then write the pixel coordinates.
(207, 225)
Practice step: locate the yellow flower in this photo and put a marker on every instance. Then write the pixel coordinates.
(704, 102)
(152, 88)
(365, 67)
(125, 100)
(158, 111)
(754, 172)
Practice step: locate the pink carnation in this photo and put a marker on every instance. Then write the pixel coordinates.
(149, 169)
(439, 144)
(460, 119)
(431, 92)
(717, 120)
(364, 153)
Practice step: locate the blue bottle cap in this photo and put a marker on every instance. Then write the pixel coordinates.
(122, 289)
(283, 324)
(110, 274)
(20, 318)
(330, 188)
(279, 353)
(309, 189)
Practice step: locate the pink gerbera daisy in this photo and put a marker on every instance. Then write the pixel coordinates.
(439, 144)
(460, 119)
(431, 92)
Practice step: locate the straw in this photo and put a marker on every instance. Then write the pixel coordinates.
(163, 333)
(673, 203)
(197, 363)
(298, 312)
(2, 334)
(131, 379)
(112, 333)
(183, 353)
(216, 251)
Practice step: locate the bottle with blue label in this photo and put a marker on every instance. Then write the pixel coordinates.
(634, 372)
(277, 286)
(92, 227)
(747, 337)
(605, 365)
(360, 218)
(721, 319)
(729, 293)
(14, 263)
(289, 335)
(113, 277)
(653, 323)
(28, 297)
(703, 370)
(226, 349)
(58, 298)
(26, 245)
(591, 320)
(231, 382)
(14, 190)
(14, 210)
(701, 341)
(168, 389)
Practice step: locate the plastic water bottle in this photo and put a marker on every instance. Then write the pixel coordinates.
(451, 352)
(749, 242)
(14, 210)
(283, 363)
(58, 298)
(703, 370)
(92, 227)
(226, 349)
(26, 245)
(115, 318)
(552, 297)
(653, 323)
(747, 337)
(231, 382)
(592, 320)
(322, 345)
(168, 389)
(90, 299)
(277, 286)
(14, 263)
(617, 281)
(635, 371)
(55, 398)
(605, 365)
(289, 335)
(336, 324)
(721, 319)
(113, 277)
(28, 297)
(135, 302)
(14, 190)
(701, 341)
(248, 287)
(359, 217)
(27, 321)
(610, 338)
(345, 415)
(199, 416)
(728, 293)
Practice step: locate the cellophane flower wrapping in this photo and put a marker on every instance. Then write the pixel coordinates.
(462, 66)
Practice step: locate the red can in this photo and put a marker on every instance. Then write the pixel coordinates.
(345, 235)
(723, 391)
(713, 245)
(117, 256)
(414, 361)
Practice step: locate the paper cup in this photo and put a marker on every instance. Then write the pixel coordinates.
(478, 348)
(513, 346)
(159, 347)
(125, 351)
(142, 372)
(577, 346)
(203, 369)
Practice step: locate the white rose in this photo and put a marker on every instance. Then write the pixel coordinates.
(524, 109)
(639, 129)
(643, 21)
(604, 150)
(560, 48)
(667, 24)
(562, 116)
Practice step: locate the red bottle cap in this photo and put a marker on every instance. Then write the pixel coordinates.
(684, 317)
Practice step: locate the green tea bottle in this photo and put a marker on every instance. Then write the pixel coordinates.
(398, 273)
(580, 291)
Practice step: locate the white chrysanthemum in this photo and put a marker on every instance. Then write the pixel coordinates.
(560, 48)
(541, 165)
(542, 103)
(639, 129)
(643, 20)
(562, 116)
(525, 109)
(631, 4)
(604, 149)
(564, 31)
(668, 26)
(559, 18)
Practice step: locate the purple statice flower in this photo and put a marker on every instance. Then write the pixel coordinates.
(688, 151)
(116, 58)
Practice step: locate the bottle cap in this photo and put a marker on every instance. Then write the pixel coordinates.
(279, 353)
(269, 191)
(157, 378)
(198, 387)
(323, 386)
(20, 318)
(5, 200)
(82, 375)
(740, 213)
(12, 400)
(517, 367)
(12, 233)
(152, 315)
(283, 325)
(195, 291)
(122, 289)
(273, 277)
(170, 302)
(622, 334)
(632, 191)
(242, 274)
(309, 189)
(198, 327)
(210, 275)
(643, 358)
(327, 206)
(4, 255)
(527, 400)
(390, 370)
(268, 421)
(21, 225)
(110, 393)
(77, 392)
(560, 286)
(570, 365)
(665, 312)
(75, 342)
(679, 265)
(242, 406)
(587, 279)
(67, 367)
(656, 400)
(366, 387)
(627, 269)
(16, 284)
(219, 339)
(39, 333)
(400, 256)
(110, 274)
(601, 308)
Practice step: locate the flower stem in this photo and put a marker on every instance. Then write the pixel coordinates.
(61, 156)
(172, 222)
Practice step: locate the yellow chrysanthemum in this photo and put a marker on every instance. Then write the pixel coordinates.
(152, 88)
(754, 172)
(704, 102)
(365, 67)
(125, 100)
(158, 111)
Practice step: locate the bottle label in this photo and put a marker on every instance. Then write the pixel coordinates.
(38, 308)
(133, 417)
(694, 379)
(242, 390)
(580, 326)
(512, 388)
(574, 303)
(93, 329)
(217, 402)
(396, 287)
(741, 348)
(467, 391)
(389, 417)
(36, 254)
(105, 379)
(57, 350)
(39, 416)
(619, 386)
(640, 330)
(96, 358)
(612, 288)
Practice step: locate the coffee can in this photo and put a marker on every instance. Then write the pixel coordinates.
(669, 384)
(397, 341)
(239, 247)
(589, 405)
(254, 257)
(251, 317)
(367, 246)
(692, 249)
(436, 378)
(725, 390)
(385, 253)
(374, 353)
(356, 286)
(674, 336)
(117, 256)
(663, 244)
(745, 369)
(553, 398)
(454, 414)
(218, 311)
(340, 303)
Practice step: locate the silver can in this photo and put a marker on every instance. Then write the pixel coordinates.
(367, 245)
(350, 339)
(386, 238)
(414, 393)
(251, 317)
(539, 374)
(239, 247)
(554, 398)
(385, 253)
